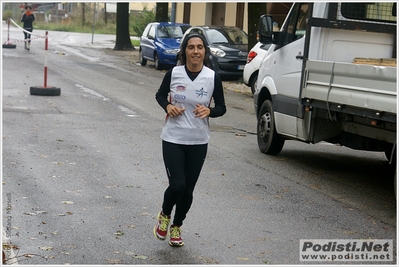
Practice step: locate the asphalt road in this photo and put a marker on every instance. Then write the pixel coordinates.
(83, 176)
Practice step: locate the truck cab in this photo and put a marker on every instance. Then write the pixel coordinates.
(330, 75)
(328, 33)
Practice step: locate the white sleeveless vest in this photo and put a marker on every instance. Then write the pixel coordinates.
(185, 93)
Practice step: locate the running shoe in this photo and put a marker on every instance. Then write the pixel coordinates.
(161, 228)
(175, 236)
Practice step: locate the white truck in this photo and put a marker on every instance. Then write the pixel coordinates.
(330, 75)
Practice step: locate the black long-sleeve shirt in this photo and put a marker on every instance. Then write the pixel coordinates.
(28, 20)
(219, 108)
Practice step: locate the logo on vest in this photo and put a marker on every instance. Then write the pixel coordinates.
(180, 97)
(201, 93)
(180, 88)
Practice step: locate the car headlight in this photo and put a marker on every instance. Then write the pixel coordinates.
(217, 52)
(171, 51)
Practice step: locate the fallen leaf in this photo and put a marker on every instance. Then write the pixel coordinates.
(141, 257)
(30, 213)
(9, 246)
(119, 233)
(40, 211)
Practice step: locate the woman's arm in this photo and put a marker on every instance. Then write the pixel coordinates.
(162, 95)
(218, 96)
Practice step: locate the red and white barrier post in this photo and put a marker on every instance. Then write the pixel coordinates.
(45, 90)
(8, 44)
(45, 59)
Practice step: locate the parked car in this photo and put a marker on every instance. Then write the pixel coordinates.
(228, 46)
(251, 69)
(160, 43)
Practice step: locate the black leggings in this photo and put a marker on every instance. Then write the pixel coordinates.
(183, 165)
(28, 35)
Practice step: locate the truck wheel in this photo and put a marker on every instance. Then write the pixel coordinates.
(9, 46)
(45, 91)
(269, 141)
(143, 61)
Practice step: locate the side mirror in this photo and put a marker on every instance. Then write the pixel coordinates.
(265, 29)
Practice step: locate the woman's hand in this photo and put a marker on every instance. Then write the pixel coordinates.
(201, 111)
(174, 111)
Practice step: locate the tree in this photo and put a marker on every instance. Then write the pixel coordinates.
(254, 12)
(83, 14)
(140, 20)
(123, 41)
(161, 14)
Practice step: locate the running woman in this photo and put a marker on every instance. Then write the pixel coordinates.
(28, 18)
(185, 135)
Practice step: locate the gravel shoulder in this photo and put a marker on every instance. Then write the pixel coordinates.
(132, 57)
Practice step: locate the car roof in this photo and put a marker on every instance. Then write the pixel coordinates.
(216, 27)
(170, 24)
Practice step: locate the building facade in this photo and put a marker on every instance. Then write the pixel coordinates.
(227, 13)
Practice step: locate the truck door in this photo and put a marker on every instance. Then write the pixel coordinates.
(287, 67)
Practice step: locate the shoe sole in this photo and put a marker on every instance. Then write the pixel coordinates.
(156, 235)
(176, 244)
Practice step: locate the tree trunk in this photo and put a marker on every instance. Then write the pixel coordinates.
(105, 13)
(254, 12)
(161, 14)
(123, 41)
(83, 14)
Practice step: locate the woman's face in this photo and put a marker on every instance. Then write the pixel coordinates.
(195, 51)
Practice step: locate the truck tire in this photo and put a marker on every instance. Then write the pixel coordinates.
(9, 46)
(269, 141)
(45, 91)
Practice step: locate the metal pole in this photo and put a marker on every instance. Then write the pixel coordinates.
(45, 60)
(92, 27)
(8, 33)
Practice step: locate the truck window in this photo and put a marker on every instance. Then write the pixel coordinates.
(296, 27)
(384, 12)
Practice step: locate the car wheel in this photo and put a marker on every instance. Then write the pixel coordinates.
(158, 65)
(269, 141)
(143, 61)
(254, 82)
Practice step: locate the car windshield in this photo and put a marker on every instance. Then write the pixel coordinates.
(171, 31)
(227, 36)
